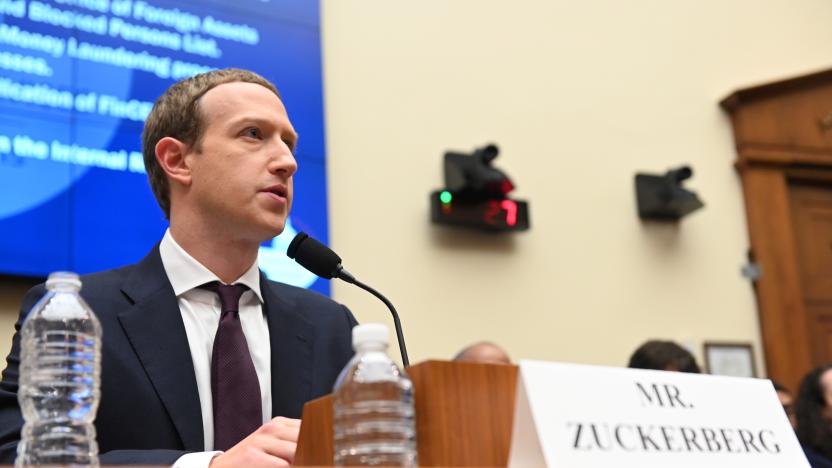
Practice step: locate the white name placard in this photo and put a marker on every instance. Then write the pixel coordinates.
(579, 416)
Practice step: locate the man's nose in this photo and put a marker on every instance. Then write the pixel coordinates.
(283, 161)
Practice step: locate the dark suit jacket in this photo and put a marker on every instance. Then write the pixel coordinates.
(816, 460)
(149, 411)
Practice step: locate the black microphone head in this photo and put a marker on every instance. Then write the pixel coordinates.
(314, 256)
(293, 246)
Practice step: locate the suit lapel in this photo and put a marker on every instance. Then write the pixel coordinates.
(291, 338)
(155, 329)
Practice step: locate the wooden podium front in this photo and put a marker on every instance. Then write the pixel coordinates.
(464, 416)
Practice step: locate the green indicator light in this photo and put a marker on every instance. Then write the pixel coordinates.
(445, 197)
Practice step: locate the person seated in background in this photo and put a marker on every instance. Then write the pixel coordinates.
(785, 397)
(483, 352)
(663, 355)
(813, 411)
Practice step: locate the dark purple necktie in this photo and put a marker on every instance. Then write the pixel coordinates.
(234, 385)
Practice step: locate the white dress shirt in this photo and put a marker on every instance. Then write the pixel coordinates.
(200, 311)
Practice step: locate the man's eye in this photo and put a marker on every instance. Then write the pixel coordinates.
(253, 133)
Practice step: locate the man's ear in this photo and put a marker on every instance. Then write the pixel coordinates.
(170, 154)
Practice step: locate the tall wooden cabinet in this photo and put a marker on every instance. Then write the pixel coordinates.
(783, 135)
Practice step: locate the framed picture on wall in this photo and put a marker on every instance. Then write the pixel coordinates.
(734, 359)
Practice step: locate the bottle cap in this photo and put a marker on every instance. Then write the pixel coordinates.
(370, 333)
(67, 278)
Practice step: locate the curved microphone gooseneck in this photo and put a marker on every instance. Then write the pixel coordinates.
(322, 261)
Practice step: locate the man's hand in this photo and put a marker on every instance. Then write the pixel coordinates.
(272, 444)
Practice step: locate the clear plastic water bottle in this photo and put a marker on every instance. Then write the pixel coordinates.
(374, 416)
(60, 372)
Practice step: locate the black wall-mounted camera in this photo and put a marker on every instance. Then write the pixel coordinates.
(662, 197)
(476, 194)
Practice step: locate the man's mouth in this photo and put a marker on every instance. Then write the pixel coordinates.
(278, 190)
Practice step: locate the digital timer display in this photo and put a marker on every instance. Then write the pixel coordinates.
(490, 215)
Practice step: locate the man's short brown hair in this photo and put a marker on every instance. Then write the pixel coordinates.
(177, 114)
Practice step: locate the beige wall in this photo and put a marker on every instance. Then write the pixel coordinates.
(579, 95)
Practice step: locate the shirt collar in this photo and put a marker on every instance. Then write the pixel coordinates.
(186, 273)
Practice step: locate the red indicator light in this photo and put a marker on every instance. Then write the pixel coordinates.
(511, 211)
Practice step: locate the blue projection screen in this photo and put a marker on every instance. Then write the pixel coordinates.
(78, 78)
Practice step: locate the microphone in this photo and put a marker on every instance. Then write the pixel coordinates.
(322, 261)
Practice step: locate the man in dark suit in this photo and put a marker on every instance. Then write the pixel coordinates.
(218, 150)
